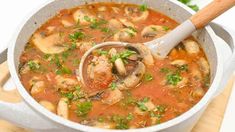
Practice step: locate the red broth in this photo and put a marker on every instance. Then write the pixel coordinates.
(168, 87)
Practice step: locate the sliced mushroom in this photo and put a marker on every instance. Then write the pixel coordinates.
(80, 14)
(134, 78)
(144, 52)
(136, 14)
(120, 66)
(114, 25)
(64, 83)
(62, 108)
(37, 86)
(48, 105)
(203, 65)
(149, 105)
(66, 23)
(126, 23)
(118, 63)
(52, 44)
(111, 97)
(179, 62)
(124, 35)
(191, 46)
(153, 31)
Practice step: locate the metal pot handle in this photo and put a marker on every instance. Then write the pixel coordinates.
(16, 111)
(228, 36)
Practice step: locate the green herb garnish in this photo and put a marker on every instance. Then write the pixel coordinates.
(63, 70)
(113, 86)
(141, 104)
(173, 79)
(148, 77)
(76, 36)
(143, 7)
(33, 65)
(165, 28)
(83, 108)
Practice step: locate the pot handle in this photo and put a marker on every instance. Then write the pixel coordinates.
(16, 111)
(228, 36)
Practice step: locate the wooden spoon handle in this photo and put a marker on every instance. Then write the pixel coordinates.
(214, 9)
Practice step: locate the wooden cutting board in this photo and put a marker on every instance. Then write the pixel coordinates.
(209, 122)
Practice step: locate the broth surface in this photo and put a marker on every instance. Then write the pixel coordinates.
(167, 88)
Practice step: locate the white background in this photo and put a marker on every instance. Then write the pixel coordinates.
(13, 11)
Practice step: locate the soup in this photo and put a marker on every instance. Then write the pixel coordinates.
(126, 87)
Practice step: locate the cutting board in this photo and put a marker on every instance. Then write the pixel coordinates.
(209, 122)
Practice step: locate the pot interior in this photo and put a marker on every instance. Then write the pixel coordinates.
(167, 7)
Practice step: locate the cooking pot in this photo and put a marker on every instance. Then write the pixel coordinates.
(30, 114)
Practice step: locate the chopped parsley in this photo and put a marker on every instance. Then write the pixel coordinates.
(113, 86)
(102, 52)
(83, 108)
(130, 117)
(76, 62)
(187, 2)
(120, 121)
(165, 70)
(182, 68)
(143, 7)
(166, 28)
(132, 28)
(69, 95)
(148, 77)
(33, 65)
(63, 70)
(123, 55)
(141, 104)
(173, 79)
(96, 24)
(76, 36)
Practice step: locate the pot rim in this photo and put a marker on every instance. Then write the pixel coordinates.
(41, 110)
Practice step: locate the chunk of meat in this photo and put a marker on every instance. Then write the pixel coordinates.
(37, 85)
(65, 84)
(102, 71)
(111, 97)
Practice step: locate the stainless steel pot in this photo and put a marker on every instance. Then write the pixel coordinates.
(30, 114)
